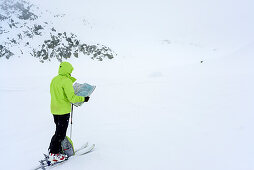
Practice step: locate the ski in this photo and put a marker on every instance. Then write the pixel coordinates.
(84, 149)
(81, 148)
(90, 149)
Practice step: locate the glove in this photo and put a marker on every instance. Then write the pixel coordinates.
(86, 99)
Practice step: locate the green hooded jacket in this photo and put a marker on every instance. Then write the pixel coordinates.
(62, 92)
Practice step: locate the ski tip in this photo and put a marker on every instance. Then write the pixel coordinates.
(92, 148)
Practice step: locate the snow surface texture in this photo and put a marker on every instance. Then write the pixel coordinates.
(156, 105)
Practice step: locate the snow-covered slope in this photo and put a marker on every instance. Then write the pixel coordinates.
(156, 106)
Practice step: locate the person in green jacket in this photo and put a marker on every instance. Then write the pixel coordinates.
(62, 96)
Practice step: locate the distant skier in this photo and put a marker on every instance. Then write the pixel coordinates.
(62, 95)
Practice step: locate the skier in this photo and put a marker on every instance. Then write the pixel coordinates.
(62, 95)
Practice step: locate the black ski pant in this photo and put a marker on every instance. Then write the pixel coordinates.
(61, 122)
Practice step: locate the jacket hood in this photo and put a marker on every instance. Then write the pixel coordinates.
(65, 69)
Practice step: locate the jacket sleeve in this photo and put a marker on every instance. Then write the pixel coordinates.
(69, 92)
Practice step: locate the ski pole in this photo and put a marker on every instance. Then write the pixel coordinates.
(71, 119)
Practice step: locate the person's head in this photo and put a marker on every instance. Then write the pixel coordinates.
(65, 68)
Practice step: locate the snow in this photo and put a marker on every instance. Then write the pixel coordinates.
(156, 106)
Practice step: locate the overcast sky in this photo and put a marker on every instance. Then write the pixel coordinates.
(204, 20)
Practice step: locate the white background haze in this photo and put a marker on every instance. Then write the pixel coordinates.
(156, 107)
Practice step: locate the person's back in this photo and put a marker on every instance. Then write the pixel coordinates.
(62, 92)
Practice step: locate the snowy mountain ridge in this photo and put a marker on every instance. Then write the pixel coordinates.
(26, 31)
